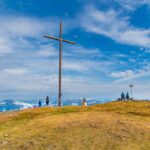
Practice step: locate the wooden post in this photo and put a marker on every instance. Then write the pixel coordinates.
(60, 66)
(61, 40)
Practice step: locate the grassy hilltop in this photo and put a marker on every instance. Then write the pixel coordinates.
(111, 126)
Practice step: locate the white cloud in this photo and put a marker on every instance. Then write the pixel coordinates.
(122, 74)
(74, 66)
(132, 4)
(25, 26)
(23, 33)
(47, 50)
(80, 51)
(5, 46)
(112, 25)
(15, 71)
(120, 55)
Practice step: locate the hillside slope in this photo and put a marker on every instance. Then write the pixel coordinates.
(111, 126)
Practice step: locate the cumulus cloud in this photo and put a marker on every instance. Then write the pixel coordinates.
(111, 24)
(20, 33)
(5, 46)
(15, 71)
(47, 50)
(123, 76)
(26, 26)
(132, 5)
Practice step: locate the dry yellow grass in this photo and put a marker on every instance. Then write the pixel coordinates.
(111, 126)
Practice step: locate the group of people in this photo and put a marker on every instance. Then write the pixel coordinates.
(125, 96)
(46, 102)
(84, 103)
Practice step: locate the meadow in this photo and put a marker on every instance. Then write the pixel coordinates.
(110, 126)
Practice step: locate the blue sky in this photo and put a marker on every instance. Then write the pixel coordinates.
(112, 50)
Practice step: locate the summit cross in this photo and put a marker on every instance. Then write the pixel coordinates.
(60, 40)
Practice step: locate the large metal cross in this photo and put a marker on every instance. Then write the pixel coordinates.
(60, 39)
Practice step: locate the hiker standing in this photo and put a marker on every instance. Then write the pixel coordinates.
(84, 103)
(40, 103)
(47, 100)
(123, 96)
(127, 96)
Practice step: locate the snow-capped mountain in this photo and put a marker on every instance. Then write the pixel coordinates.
(8, 105)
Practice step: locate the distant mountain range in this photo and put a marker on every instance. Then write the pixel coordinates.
(8, 105)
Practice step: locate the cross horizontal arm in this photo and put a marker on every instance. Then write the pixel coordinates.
(58, 39)
(50, 37)
(68, 41)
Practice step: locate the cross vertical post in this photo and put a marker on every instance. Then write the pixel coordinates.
(60, 66)
(61, 40)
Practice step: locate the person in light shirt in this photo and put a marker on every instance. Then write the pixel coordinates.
(84, 103)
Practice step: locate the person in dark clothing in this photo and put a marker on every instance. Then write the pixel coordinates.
(47, 100)
(123, 96)
(40, 103)
(127, 96)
